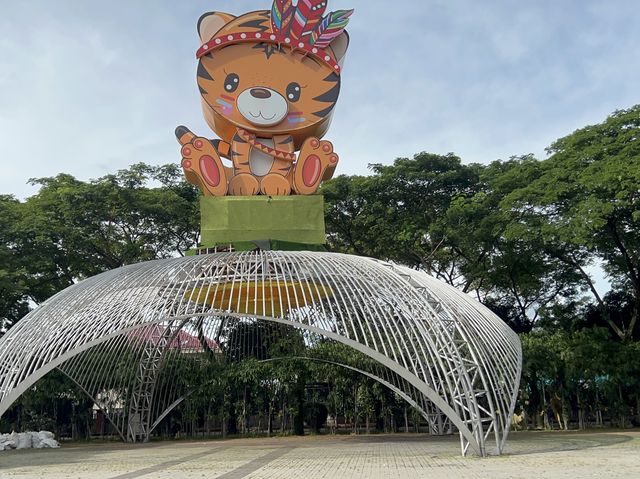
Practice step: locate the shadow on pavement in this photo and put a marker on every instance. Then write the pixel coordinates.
(533, 442)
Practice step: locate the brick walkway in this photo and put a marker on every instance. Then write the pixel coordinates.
(572, 455)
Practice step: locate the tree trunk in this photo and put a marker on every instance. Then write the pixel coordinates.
(284, 417)
(355, 409)
(345, 414)
(298, 417)
(244, 413)
(566, 415)
(598, 410)
(545, 409)
(74, 427)
(406, 420)
(623, 416)
(224, 426)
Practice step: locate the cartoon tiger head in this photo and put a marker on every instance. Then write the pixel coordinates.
(253, 75)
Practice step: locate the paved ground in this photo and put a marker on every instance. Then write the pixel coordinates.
(572, 455)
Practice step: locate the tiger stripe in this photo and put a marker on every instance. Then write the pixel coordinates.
(203, 72)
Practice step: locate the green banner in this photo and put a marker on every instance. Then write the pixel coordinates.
(235, 219)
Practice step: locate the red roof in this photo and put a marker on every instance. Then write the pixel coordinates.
(181, 340)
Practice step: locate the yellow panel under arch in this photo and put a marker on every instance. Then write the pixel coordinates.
(259, 297)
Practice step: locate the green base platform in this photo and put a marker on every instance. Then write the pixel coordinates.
(279, 222)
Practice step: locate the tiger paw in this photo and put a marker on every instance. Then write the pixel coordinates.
(274, 184)
(244, 184)
(316, 162)
(202, 164)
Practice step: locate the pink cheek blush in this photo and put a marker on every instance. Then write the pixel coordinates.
(296, 117)
(227, 108)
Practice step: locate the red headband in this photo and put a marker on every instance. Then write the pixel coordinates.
(267, 37)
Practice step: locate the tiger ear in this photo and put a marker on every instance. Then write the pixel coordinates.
(339, 47)
(211, 23)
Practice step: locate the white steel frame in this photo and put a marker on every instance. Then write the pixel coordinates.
(116, 334)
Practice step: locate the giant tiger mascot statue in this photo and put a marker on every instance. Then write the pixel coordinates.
(269, 82)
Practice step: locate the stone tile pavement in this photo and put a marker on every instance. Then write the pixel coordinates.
(539, 455)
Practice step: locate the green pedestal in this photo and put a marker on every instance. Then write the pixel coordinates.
(241, 219)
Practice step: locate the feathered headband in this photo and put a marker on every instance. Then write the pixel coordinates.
(302, 27)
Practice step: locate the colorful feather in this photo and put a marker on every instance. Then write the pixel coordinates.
(330, 28)
(307, 15)
(281, 14)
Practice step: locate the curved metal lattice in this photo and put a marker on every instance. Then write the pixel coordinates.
(126, 336)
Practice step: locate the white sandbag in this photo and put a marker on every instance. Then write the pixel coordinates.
(36, 440)
(7, 443)
(11, 442)
(52, 443)
(47, 440)
(24, 441)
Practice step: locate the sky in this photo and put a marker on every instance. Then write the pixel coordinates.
(89, 87)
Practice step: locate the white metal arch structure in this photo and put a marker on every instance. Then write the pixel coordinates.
(123, 335)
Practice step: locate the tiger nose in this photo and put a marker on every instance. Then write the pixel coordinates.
(261, 93)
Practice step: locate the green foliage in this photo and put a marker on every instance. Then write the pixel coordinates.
(584, 369)
(115, 220)
(583, 205)
(72, 229)
(14, 301)
(55, 404)
(393, 214)
(520, 234)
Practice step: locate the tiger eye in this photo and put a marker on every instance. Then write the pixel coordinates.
(231, 83)
(293, 92)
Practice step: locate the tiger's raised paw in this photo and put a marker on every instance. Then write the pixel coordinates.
(202, 164)
(316, 162)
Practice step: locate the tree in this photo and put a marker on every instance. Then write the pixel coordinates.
(583, 203)
(512, 274)
(347, 214)
(71, 230)
(115, 220)
(436, 214)
(393, 214)
(14, 298)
